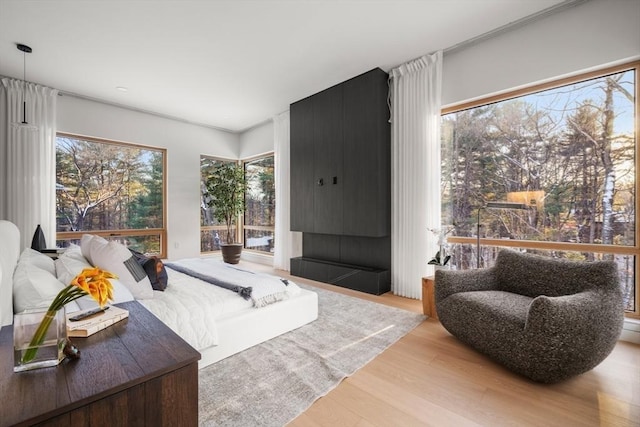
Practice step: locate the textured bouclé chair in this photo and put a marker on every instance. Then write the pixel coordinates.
(547, 319)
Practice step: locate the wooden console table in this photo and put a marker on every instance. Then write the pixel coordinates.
(137, 372)
(428, 297)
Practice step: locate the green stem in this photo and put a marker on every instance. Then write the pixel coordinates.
(68, 294)
(38, 337)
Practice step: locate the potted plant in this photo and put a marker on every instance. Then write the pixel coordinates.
(441, 258)
(226, 187)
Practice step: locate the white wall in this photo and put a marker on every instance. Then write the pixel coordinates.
(587, 36)
(184, 143)
(591, 35)
(257, 140)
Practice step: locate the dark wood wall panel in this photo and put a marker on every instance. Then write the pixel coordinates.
(341, 183)
(367, 145)
(302, 152)
(328, 161)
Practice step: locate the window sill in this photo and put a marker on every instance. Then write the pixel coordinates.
(631, 331)
(259, 258)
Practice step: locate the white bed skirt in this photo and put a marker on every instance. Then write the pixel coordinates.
(239, 331)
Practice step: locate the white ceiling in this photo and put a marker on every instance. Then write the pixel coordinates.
(230, 64)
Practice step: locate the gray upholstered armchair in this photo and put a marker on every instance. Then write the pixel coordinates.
(545, 318)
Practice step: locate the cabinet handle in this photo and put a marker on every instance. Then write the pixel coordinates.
(320, 182)
(335, 180)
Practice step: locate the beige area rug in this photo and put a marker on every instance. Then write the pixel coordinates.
(274, 382)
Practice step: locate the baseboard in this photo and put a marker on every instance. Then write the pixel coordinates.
(631, 331)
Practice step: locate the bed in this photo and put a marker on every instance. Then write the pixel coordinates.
(217, 322)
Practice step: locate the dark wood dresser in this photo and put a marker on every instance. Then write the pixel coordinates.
(137, 372)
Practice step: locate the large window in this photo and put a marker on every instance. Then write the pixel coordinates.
(260, 205)
(111, 189)
(258, 223)
(211, 230)
(565, 155)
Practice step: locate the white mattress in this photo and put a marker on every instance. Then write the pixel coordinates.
(209, 317)
(252, 326)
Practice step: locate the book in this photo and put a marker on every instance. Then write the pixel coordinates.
(95, 323)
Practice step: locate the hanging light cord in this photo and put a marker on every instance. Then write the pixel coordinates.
(24, 86)
(24, 49)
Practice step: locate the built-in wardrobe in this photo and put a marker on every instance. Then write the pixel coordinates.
(341, 184)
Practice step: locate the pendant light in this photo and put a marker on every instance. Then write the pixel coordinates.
(25, 49)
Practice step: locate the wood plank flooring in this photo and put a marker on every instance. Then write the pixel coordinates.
(428, 378)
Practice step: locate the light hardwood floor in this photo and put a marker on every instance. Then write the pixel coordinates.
(428, 378)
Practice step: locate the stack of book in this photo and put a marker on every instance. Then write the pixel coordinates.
(93, 322)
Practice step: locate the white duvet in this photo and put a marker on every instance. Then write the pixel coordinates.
(190, 307)
(265, 288)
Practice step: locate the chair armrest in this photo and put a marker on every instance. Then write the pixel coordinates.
(591, 310)
(449, 282)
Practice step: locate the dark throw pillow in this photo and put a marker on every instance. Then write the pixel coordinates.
(154, 268)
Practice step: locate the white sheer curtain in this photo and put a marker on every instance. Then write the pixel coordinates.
(415, 188)
(288, 243)
(27, 159)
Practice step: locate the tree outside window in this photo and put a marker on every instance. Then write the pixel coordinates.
(258, 224)
(111, 189)
(211, 230)
(567, 154)
(260, 201)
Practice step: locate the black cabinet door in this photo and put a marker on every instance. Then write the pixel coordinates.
(367, 145)
(302, 165)
(328, 141)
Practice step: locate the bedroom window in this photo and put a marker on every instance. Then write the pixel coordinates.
(260, 204)
(211, 231)
(565, 153)
(111, 189)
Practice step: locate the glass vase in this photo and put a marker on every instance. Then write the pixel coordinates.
(39, 337)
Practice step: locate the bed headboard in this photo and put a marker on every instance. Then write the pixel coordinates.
(9, 253)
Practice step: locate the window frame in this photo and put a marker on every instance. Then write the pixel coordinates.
(566, 246)
(110, 234)
(257, 227)
(240, 225)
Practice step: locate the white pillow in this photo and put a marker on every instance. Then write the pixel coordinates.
(85, 245)
(116, 258)
(72, 251)
(71, 307)
(37, 259)
(33, 287)
(68, 267)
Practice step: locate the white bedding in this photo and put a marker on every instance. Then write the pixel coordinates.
(216, 321)
(190, 306)
(266, 288)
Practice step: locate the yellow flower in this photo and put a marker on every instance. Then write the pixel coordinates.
(91, 281)
(95, 282)
(80, 281)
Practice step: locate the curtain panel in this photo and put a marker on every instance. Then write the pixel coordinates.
(27, 158)
(415, 157)
(287, 243)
